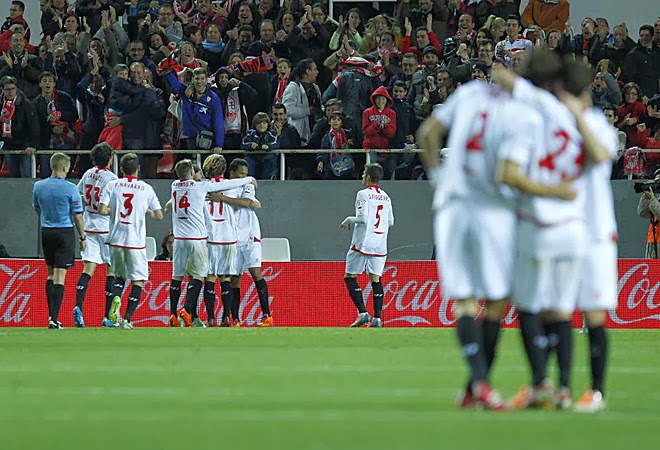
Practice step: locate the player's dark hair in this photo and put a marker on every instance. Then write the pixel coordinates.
(374, 171)
(19, 3)
(101, 154)
(184, 169)
(542, 68)
(236, 163)
(129, 164)
(46, 74)
(516, 18)
(575, 76)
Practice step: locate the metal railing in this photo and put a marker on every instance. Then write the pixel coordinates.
(116, 155)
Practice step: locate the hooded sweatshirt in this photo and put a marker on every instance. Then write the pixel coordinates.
(379, 127)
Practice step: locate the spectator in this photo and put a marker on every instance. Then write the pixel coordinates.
(64, 66)
(320, 14)
(642, 64)
(167, 248)
(91, 94)
(497, 27)
(506, 8)
(5, 38)
(16, 12)
(547, 14)
(480, 10)
(206, 16)
(23, 67)
(193, 34)
(52, 14)
(618, 49)
(166, 24)
(465, 31)
(268, 43)
(424, 36)
(20, 127)
(287, 135)
(610, 114)
(310, 40)
(486, 57)
(585, 45)
(552, 40)
(630, 113)
(302, 98)
(261, 138)
(239, 41)
(406, 122)
(235, 95)
(213, 47)
(137, 53)
(281, 79)
(322, 126)
(420, 79)
(379, 128)
(336, 164)
(514, 41)
(117, 103)
(202, 117)
(408, 69)
(438, 10)
(605, 90)
(603, 30)
(348, 27)
(57, 115)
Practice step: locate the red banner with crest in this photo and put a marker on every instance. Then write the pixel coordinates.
(302, 294)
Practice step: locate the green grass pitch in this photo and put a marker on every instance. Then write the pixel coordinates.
(299, 388)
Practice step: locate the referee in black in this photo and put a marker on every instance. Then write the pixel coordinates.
(58, 203)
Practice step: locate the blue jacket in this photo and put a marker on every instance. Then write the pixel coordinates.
(203, 114)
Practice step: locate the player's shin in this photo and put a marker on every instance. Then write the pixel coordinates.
(49, 297)
(109, 282)
(355, 292)
(535, 343)
(262, 291)
(598, 349)
(192, 296)
(209, 299)
(81, 289)
(58, 296)
(133, 300)
(377, 288)
(175, 293)
(469, 338)
(235, 303)
(564, 352)
(226, 295)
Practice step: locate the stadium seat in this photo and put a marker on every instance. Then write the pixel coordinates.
(152, 249)
(275, 250)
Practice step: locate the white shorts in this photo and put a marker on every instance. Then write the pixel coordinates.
(248, 255)
(222, 259)
(475, 250)
(546, 284)
(95, 249)
(190, 257)
(356, 263)
(129, 263)
(598, 289)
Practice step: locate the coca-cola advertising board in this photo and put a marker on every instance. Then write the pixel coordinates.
(303, 294)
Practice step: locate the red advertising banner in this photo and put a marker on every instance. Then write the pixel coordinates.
(302, 294)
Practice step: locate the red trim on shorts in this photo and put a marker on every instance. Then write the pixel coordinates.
(222, 243)
(354, 248)
(96, 232)
(256, 239)
(124, 246)
(379, 232)
(125, 223)
(218, 220)
(191, 239)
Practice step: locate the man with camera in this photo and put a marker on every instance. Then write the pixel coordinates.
(649, 207)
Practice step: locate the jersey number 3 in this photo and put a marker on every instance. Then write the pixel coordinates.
(92, 196)
(128, 206)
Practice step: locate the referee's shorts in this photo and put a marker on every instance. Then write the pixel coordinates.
(58, 245)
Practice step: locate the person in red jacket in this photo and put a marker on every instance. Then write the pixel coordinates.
(379, 128)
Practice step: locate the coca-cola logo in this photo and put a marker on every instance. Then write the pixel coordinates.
(636, 293)
(14, 307)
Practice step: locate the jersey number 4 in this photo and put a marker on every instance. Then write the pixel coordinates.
(181, 203)
(92, 196)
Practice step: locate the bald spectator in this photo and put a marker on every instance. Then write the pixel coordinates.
(547, 14)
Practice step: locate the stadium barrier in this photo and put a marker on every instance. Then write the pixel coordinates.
(198, 155)
(303, 294)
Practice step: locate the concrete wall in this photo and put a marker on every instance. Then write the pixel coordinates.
(308, 214)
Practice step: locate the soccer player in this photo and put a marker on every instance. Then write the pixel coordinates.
(127, 201)
(59, 205)
(221, 224)
(552, 234)
(90, 186)
(248, 248)
(372, 220)
(475, 259)
(599, 282)
(190, 255)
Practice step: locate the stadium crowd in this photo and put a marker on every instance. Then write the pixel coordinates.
(259, 76)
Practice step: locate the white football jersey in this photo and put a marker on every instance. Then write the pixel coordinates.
(188, 206)
(247, 222)
(601, 220)
(558, 157)
(129, 199)
(486, 127)
(374, 207)
(221, 217)
(90, 186)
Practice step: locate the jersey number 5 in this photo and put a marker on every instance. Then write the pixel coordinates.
(379, 208)
(128, 206)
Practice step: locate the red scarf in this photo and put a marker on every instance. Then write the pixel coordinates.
(8, 110)
(338, 139)
(281, 86)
